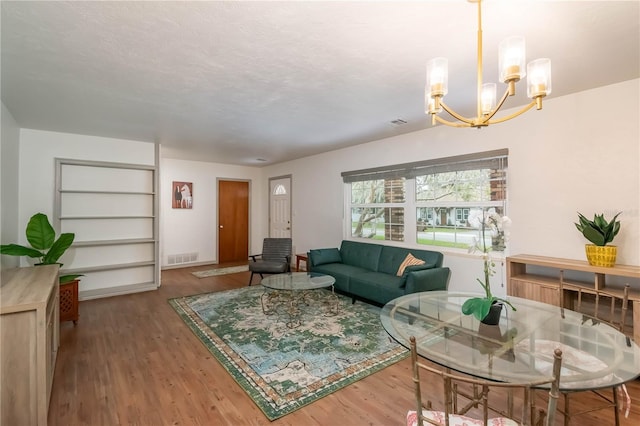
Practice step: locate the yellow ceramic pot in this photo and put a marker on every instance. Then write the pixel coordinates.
(601, 255)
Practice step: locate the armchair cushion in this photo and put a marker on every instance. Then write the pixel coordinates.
(268, 267)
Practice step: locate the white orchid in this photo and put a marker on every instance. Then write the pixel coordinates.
(487, 221)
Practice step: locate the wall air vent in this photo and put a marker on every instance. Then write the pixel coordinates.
(177, 259)
(398, 122)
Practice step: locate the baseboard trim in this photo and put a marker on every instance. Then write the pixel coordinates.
(100, 293)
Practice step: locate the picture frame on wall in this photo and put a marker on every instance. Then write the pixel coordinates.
(182, 195)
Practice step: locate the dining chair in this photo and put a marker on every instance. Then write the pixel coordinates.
(454, 415)
(274, 259)
(613, 313)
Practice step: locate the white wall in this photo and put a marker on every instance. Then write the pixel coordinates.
(185, 231)
(580, 153)
(38, 151)
(9, 195)
(572, 156)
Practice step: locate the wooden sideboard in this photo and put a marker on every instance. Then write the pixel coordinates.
(29, 341)
(538, 278)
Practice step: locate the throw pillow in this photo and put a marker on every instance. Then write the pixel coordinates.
(322, 256)
(410, 260)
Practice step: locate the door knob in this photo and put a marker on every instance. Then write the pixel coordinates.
(221, 226)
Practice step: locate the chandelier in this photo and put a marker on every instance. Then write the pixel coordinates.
(511, 65)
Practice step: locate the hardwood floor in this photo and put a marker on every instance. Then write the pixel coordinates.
(132, 361)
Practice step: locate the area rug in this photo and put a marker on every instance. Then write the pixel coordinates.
(221, 271)
(284, 369)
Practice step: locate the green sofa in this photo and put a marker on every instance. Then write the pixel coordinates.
(368, 271)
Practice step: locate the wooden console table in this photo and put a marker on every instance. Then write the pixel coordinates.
(30, 327)
(542, 285)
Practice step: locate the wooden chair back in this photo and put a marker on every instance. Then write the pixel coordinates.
(610, 305)
(478, 401)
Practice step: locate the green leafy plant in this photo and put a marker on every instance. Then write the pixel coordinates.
(44, 245)
(598, 231)
(486, 221)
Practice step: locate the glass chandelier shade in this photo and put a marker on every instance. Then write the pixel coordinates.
(438, 77)
(511, 59)
(539, 78)
(511, 65)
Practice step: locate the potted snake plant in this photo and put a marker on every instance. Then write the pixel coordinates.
(600, 233)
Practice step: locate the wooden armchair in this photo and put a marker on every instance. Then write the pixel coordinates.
(454, 415)
(274, 259)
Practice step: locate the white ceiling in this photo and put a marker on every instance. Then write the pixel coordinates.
(233, 82)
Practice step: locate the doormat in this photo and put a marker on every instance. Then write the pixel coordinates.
(284, 369)
(221, 271)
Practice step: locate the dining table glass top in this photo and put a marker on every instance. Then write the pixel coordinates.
(520, 348)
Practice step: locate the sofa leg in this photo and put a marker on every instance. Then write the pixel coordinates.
(353, 300)
(250, 279)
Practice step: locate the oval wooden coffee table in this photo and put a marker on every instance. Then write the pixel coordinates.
(288, 294)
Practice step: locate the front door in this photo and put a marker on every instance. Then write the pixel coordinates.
(280, 207)
(233, 221)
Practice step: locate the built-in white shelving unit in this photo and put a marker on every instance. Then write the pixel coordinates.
(112, 209)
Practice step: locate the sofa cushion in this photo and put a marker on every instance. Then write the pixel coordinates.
(341, 272)
(410, 260)
(323, 256)
(420, 267)
(363, 255)
(376, 286)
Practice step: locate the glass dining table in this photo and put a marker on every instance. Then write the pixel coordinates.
(520, 348)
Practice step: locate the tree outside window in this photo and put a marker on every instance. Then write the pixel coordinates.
(445, 200)
(377, 210)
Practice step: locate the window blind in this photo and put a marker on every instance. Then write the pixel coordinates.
(496, 159)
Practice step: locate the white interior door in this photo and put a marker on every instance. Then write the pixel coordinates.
(280, 207)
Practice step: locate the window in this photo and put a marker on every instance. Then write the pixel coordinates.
(443, 194)
(446, 199)
(377, 209)
(279, 190)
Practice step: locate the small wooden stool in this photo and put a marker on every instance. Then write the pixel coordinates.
(69, 302)
(303, 257)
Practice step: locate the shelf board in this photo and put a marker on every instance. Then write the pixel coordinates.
(104, 217)
(83, 191)
(107, 267)
(629, 271)
(113, 242)
(537, 279)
